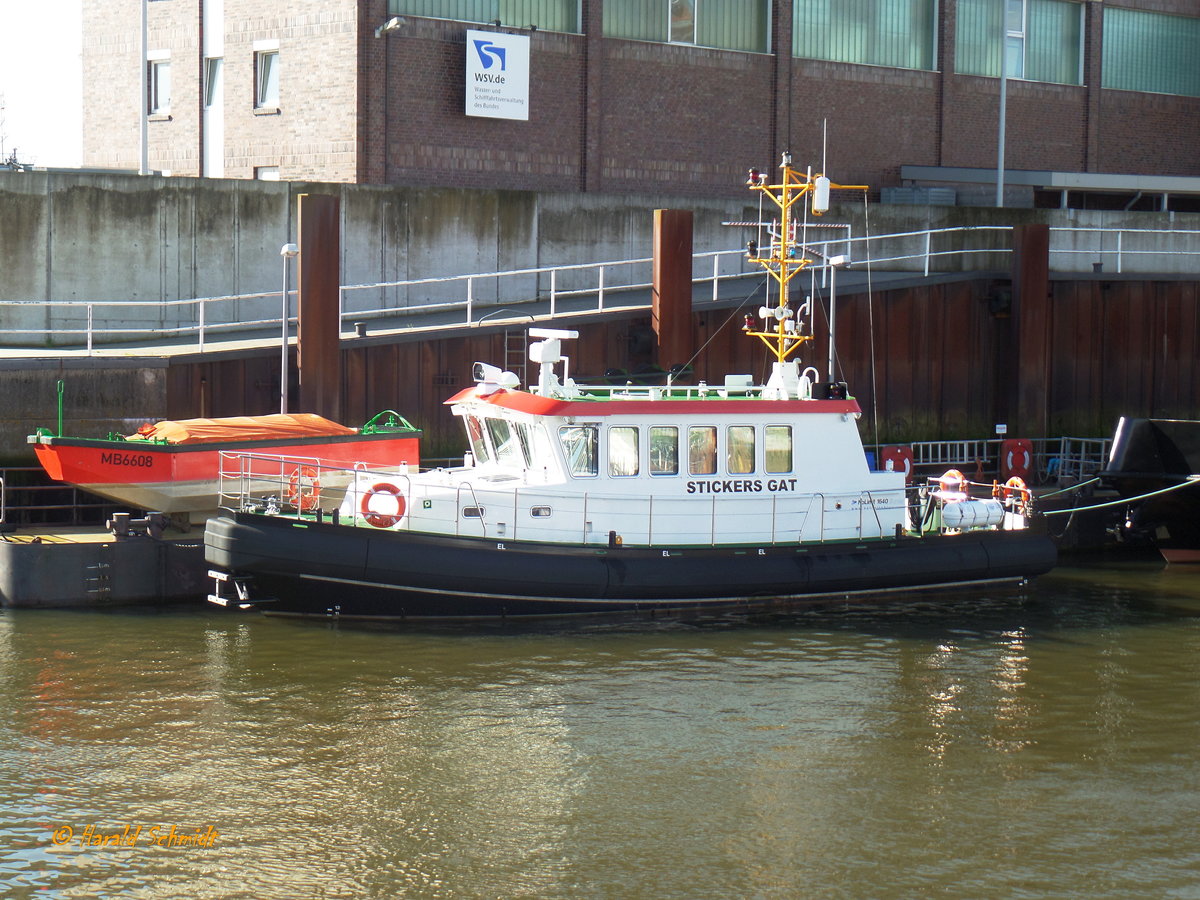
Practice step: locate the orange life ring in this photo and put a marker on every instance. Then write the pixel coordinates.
(953, 480)
(1016, 485)
(392, 494)
(304, 490)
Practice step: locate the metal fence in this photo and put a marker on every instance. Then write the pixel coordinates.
(468, 299)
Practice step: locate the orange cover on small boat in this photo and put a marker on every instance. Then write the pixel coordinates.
(240, 428)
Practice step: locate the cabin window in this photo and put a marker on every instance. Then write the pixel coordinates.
(664, 450)
(581, 444)
(622, 451)
(539, 512)
(702, 449)
(779, 448)
(472, 512)
(525, 438)
(739, 449)
(505, 444)
(478, 444)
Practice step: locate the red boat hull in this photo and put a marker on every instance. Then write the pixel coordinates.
(185, 478)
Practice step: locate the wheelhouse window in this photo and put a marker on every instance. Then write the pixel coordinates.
(266, 78)
(702, 449)
(778, 449)
(664, 450)
(581, 446)
(505, 443)
(896, 33)
(479, 445)
(723, 24)
(622, 451)
(739, 449)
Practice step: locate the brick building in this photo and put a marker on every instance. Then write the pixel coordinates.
(668, 97)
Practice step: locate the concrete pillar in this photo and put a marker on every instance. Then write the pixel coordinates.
(672, 292)
(318, 354)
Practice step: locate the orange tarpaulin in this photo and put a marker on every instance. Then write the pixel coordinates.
(240, 428)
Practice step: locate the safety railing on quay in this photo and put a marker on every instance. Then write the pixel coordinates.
(28, 499)
(1061, 460)
(566, 289)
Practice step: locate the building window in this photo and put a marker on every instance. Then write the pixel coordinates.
(266, 79)
(896, 33)
(1042, 39)
(724, 24)
(547, 15)
(212, 81)
(159, 87)
(1150, 52)
(268, 173)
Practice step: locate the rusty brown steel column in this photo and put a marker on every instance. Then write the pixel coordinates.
(318, 353)
(672, 293)
(1031, 331)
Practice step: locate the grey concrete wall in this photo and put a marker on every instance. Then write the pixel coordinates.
(143, 240)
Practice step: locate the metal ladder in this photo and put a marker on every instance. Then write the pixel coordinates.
(516, 352)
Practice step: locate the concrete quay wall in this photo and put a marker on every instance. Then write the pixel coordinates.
(149, 241)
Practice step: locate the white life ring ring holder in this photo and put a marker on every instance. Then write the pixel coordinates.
(383, 505)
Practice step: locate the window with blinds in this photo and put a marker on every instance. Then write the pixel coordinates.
(547, 15)
(1150, 52)
(896, 33)
(724, 24)
(1043, 39)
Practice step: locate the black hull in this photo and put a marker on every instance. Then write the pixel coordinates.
(1152, 455)
(325, 569)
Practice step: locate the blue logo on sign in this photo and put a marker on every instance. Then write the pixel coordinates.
(490, 53)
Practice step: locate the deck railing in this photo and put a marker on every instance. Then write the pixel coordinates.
(267, 484)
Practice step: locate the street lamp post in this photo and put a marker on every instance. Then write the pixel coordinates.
(287, 251)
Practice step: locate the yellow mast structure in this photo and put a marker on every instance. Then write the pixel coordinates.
(787, 258)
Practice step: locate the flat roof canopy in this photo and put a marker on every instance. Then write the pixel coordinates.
(1073, 181)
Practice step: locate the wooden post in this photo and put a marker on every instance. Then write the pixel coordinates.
(672, 292)
(1030, 384)
(318, 353)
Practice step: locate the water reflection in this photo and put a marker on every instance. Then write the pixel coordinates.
(982, 744)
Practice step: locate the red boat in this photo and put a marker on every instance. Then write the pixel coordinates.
(175, 466)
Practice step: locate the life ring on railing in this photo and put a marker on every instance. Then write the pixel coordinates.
(304, 489)
(1016, 489)
(953, 480)
(1016, 458)
(383, 505)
